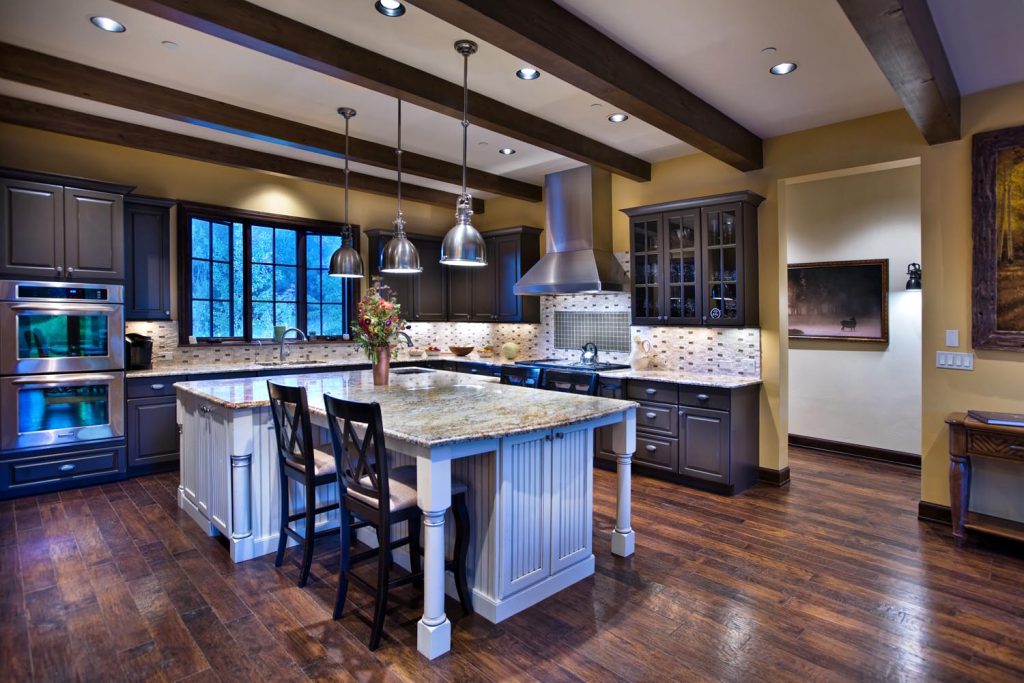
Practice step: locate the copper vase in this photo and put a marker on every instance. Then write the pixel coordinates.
(382, 366)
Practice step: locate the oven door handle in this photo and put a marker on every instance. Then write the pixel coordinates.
(64, 308)
(70, 381)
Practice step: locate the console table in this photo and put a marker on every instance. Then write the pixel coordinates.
(970, 438)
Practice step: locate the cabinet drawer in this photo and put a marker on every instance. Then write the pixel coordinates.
(50, 468)
(995, 445)
(655, 452)
(657, 417)
(146, 387)
(704, 397)
(652, 391)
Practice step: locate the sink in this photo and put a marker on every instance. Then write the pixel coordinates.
(410, 371)
(281, 364)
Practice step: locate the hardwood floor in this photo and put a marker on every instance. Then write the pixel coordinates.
(830, 578)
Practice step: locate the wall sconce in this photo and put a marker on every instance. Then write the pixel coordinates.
(914, 277)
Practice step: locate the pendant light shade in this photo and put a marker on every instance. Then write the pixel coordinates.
(464, 245)
(345, 261)
(399, 254)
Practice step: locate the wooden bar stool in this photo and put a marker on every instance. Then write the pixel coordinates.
(298, 460)
(570, 382)
(381, 497)
(520, 376)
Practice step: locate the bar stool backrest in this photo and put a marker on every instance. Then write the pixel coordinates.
(571, 382)
(294, 435)
(362, 463)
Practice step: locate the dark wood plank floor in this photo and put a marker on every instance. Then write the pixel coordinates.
(832, 578)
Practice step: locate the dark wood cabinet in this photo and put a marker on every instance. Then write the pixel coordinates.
(486, 294)
(147, 292)
(704, 444)
(694, 262)
(152, 431)
(423, 296)
(53, 227)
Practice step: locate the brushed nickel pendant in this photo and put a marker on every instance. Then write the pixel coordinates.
(345, 261)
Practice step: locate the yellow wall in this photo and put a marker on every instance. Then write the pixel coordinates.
(997, 382)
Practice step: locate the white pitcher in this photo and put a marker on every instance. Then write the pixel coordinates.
(640, 356)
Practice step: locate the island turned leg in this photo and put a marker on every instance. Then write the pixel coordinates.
(959, 494)
(624, 444)
(434, 496)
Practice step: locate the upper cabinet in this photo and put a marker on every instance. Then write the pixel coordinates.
(422, 295)
(694, 261)
(147, 287)
(51, 229)
(486, 294)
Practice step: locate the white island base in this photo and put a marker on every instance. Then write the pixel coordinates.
(530, 499)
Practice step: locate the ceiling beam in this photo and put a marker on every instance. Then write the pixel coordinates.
(67, 122)
(555, 41)
(901, 36)
(278, 36)
(71, 78)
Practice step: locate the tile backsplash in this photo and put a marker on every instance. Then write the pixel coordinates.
(722, 351)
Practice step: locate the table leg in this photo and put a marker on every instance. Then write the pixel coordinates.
(959, 494)
(434, 496)
(624, 444)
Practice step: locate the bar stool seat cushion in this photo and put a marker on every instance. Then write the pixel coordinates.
(323, 463)
(401, 487)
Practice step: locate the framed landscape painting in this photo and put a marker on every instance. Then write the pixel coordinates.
(998, 231)
(839, 300)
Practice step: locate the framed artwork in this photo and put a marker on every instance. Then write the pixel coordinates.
(998, 231)
(839, 300)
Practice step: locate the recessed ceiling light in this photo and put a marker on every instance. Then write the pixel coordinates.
(618, 117)
(507, 151)
(528, 73)
(108, 24)
(389, 8)
(783, 68)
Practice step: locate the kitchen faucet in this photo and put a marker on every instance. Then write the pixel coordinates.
(408, 339)
(284, 354)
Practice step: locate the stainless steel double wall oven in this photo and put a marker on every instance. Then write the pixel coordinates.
(61, 365)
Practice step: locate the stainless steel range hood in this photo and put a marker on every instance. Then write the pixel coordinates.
(579, 254)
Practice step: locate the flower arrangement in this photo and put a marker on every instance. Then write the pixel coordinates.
(379, 321)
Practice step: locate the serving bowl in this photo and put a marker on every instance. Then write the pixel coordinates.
(461, 350)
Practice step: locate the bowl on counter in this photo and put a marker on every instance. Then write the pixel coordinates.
(414, 352)
(461, 350)
(433, 353)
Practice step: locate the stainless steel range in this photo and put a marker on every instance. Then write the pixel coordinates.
(571, 365)
(61, 363)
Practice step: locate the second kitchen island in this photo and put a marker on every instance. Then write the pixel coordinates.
(526, 454)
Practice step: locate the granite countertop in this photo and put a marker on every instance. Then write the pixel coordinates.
(681, 377)
(164, 370)
(429, 409)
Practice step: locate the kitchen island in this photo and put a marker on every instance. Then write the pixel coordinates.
(526, 454)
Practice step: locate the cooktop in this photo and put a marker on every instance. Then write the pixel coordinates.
(571, 365)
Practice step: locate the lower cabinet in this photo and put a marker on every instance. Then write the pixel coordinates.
(704, 444)
(151, 423)
(55, 469)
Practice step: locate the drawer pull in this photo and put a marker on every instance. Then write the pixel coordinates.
(66, 468)
(156, 387)
(650, 416)
(651, 392)
(1016, 447)
(651, 448)
(702, 397)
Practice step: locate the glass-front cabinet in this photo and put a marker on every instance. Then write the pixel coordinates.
(694, 261)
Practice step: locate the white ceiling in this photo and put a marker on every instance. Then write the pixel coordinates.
(983, 39)
(711, 48)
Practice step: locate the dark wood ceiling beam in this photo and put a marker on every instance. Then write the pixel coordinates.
(276, 35)
(71, 78)
(68, 122)
(557, 42)
(901, 36)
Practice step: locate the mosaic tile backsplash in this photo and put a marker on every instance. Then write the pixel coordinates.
(722, 351)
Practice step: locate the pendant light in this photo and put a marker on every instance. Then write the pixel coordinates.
(345, 261)
(463, 245)
(399, 254)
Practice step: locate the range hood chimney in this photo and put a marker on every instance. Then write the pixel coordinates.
(579, 256)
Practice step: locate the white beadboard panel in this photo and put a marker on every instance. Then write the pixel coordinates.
(571, 498)
(525, 511)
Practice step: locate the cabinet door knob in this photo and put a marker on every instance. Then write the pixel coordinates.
(651, 448)
(167, 312)
(71, 271)
(559, 435)
(60, 270)
(651, 392)
(547, 437)
(650, 416)
(66, 468)
(702, 397)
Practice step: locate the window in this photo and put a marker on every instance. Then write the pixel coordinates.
(249, 274)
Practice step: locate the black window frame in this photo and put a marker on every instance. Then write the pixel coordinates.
(187, 211)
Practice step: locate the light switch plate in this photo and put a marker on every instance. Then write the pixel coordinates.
(953, 338)
(952, 360)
